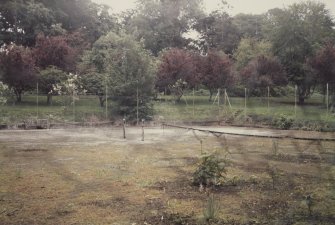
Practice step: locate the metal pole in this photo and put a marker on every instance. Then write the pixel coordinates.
(268, 99)
(124, 128)
(137, 104)
(106, 103)
(37, 99)
(193, 102)
(295, 100)
(219, 101)
(245, 103)
(327, 99)
(142, 129)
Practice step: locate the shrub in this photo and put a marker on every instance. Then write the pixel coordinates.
(283, 122)
(211, 169)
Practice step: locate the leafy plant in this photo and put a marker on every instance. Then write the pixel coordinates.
(283, 122)
(274, 174)
(211, 169)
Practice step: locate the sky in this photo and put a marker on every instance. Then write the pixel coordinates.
(237, 6)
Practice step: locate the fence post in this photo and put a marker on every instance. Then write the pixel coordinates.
(327, 99)
(124, 128)
(142, 129)
(106, 103)
(37, 98)
(193, 102)
(219, 102)
(268, 99)
(245, 103)
(295, 101)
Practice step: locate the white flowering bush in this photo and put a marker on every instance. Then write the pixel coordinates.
(5, 92)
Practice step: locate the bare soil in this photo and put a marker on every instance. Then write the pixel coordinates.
(94, 176)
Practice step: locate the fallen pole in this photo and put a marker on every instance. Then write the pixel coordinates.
(219, 133)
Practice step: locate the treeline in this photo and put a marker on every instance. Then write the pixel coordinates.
(71, 46)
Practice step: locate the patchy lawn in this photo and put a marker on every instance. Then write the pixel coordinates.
(94, 176)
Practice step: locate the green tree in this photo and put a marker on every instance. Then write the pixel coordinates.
(249, 25)
(162, 24)
(217, 31)
(296, 33)
(128, 70)
(48, 79)
(250, 48)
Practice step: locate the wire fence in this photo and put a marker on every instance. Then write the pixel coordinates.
(195, 107)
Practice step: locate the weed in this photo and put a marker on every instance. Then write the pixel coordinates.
(274, 174)
(275, 148)
(283, 122)
(18, 173)
(212, 208)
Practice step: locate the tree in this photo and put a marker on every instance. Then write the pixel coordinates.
(324, 65)
(54, 51)
(123, 64)
(162, 24)
(296, 33)
(215, 71)
(48, 79)
(18, 70)
(22, 20)
(263, 72)
(176, 72)
(249, 25)
(217, 31)
(250, 48)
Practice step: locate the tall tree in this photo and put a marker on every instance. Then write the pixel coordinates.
(217, 31)
(17, 69)
(263, 72)
(249, 25)
(296, 33)
(176, 72)
(54, 51)
(215, 71)
(162, 24)
(250, 48)
(324, 65)
(127, 69)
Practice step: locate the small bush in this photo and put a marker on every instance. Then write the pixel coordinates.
(283, 122)
(211, 170)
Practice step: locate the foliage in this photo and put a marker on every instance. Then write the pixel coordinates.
(211, 170)
(274, 175)
(249, 49)
(296, 32)
(5, 92)
(54, 51)
(217, 31)
(324, 65)
(215, 71)
(18, 70)
(249, 25)
(128, 70)
(283, 122)
(48, 79)
(176, 72)
(263, 72)
(161, 24)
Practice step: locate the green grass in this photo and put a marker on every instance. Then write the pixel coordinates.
(88, 108)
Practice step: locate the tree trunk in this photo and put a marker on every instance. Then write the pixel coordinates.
(49, 99)
(101, 100)
(210, 95)
(301, 100)
(18, 94)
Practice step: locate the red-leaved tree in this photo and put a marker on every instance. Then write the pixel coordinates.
(263, 72)
(17, 69)
(215, 71)
(176, 72)
(324, 65)
(54, 51)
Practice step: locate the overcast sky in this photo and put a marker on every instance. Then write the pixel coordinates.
(238, 6)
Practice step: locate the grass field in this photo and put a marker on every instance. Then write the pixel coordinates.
(87, 108)
(94, 176)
